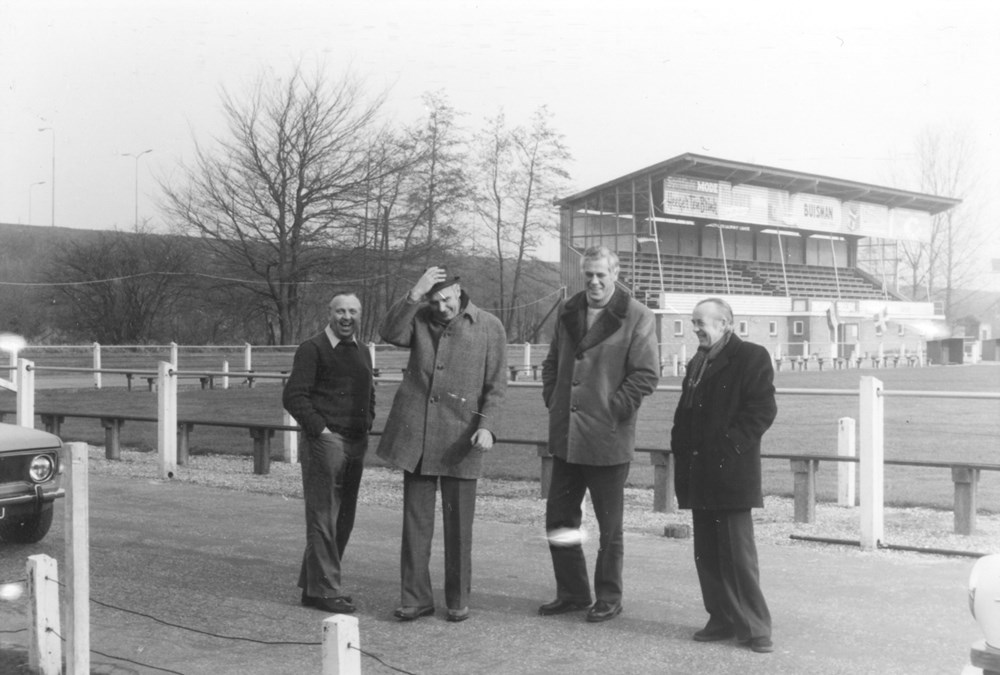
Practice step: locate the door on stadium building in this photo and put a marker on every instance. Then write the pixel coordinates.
(847, 339)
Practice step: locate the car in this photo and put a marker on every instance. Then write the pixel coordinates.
(30, 476)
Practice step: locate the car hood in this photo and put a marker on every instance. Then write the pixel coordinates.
(13, 437)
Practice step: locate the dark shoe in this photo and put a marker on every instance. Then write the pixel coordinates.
(339, 605)
(457, 615)
(411, 613)
(310, 601)
(761, 645)
(603, 610)
(558, 606)
(714, 634)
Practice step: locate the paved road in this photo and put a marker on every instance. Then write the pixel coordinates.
(226, 562)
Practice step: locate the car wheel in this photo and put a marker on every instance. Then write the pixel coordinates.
(26, 529)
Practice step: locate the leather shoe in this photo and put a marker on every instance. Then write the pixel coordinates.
(410, 613)
(714, 633)
(310, 601)
(457, 615)
(559, 606)
(603, 610)
(761, 645)
(338, 605)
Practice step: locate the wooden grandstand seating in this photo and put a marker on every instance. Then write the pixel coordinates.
(688, 274)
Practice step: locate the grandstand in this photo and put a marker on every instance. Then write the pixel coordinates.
(809, 263)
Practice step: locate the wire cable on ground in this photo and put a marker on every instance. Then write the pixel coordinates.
(120, 658)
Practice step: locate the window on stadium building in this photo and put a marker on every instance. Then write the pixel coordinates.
(678, 328)
(772, 328)
(900, 330)
(743, 329)
(798, 328)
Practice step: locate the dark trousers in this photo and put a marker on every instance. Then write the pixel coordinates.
(564, 510)
(726, 558)
(331, 476)
(458, 507)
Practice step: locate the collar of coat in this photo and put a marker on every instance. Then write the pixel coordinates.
(722, 360)
(574, 318)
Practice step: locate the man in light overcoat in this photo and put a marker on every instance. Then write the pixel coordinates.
(602, 362)
(444, 417)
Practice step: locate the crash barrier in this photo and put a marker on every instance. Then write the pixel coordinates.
(173, 434)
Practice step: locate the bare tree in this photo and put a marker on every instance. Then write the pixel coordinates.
(520, 172)
(123, 288)
(946, 165)
(283, 190)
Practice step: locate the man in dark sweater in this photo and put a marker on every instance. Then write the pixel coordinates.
(331, 394)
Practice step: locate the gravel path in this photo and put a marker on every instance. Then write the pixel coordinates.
(518, 502)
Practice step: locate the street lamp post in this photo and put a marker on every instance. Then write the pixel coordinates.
(41, 182)
(53, 130)
(136, 155)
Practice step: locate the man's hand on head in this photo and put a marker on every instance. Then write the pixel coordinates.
(424, 284)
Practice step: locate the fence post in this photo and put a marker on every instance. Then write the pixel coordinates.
(341, 645)
(966, 481)
(77, 606)
(96, 347)
(527, 357)
(846, 447)
(225, 377)
(804, 473)
(166, 419)
(677, 365)
(112, 437)
(44, 646)
(546, 470)
(663, 482)
(871, 461)
(247, 357)
(173, 355)
(290, 445)
(25, 406)
(371, 353)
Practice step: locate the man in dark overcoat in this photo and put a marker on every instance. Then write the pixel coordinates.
(331, 394)
(445, 415)
(726, 405)
(603, 360)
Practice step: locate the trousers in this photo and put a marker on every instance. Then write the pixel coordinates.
(563, 509)
(458, 507)
(331, 477)
(725, 556)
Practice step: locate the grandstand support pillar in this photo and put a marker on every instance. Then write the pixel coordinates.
(166, 419)
(96, 349)
(846, 447)
(872, 416)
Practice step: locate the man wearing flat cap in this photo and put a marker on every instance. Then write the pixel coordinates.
(444, 417)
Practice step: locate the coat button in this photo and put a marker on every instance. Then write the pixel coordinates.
(576, 383)
(434, 399)
(579, 357)
(574, 408)
(440, 367)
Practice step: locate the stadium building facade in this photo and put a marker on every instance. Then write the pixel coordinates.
(809, 263)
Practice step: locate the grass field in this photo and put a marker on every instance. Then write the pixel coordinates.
(916, 428)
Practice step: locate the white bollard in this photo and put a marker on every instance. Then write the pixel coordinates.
(291, 439)
(76, 616)
(341, 646)
(25, 405)
(173, 355)
(871, 462)
(44, 627)
(96, 347)
(846, 471)
(371, 353)
(166, 419)
(247, 357)
(527, 357)
(225, 378)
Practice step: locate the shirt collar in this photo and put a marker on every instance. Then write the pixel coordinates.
(334, 340)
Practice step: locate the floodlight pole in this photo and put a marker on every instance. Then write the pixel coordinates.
(136, 156)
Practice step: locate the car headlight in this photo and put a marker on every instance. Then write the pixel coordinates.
(42, 468)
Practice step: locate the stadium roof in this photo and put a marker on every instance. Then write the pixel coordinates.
(701, 167)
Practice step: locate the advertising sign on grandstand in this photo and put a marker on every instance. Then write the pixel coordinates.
(768, 207)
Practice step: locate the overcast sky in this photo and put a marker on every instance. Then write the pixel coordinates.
(840, 89)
